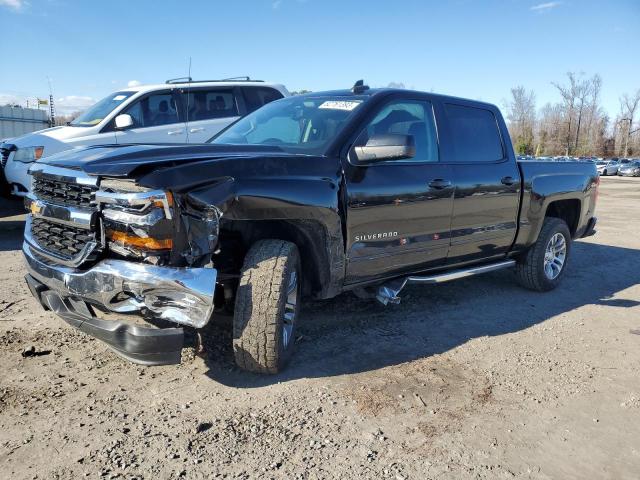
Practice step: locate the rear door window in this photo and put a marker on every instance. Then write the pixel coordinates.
(256, 97)
(474, 134)
(207, 104)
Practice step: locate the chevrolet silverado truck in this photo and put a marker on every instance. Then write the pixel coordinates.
(362, 190)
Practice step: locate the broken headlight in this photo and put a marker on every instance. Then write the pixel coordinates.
(137, 220)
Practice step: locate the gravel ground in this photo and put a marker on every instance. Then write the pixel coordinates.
(472, 379)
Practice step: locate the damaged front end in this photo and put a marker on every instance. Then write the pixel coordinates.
(144, 253)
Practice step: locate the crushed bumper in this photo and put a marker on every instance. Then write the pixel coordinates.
(183, 296)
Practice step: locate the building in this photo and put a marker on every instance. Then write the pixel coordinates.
(16, 121)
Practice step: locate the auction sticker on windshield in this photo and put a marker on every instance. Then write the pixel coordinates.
(347, 105)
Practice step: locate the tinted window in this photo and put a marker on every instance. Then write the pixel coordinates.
(154, 110)
(407, 118)
(255, 97)
(211, 103)
(474, 133)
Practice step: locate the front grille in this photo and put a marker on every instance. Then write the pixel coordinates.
(63, 193)
(60, 239)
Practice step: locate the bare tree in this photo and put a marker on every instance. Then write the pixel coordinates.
(577, 98)
(521, 113)
(629, 106)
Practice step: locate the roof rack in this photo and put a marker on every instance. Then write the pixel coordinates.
(230, 79)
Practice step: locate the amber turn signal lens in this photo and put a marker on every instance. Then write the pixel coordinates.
(38, 151)
(169, 197)
(139, 242)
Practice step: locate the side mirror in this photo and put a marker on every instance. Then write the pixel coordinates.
(124, 120)
(388, 146)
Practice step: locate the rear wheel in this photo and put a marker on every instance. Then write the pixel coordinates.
(605, 173)
(266, 308)
(544, 265)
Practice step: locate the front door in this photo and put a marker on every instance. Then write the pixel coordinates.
(399, 211)
(155, 120)
(487, 179)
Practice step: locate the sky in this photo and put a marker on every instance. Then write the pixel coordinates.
(477, 49)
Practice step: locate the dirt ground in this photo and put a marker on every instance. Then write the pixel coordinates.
(472, 379)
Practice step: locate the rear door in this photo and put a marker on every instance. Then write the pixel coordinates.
(209, 110)
(156, 119)
(399, 211)
(487, 179)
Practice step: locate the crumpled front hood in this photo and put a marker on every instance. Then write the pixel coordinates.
(127, 160)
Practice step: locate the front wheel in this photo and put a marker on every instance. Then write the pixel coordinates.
(266, 307)
(605, 173)
(544, 265)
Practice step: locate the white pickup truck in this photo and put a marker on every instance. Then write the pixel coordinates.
(178, 111)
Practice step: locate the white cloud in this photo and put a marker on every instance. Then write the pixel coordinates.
(8, 99)
(73, 103)
(545, 7)
(134, 83)
(14, 4)
(276, 4)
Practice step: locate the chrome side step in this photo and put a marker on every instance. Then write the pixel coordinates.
(388, 293)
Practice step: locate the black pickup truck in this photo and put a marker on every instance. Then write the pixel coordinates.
(359, 190)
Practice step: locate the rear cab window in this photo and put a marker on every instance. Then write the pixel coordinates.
(474, 134)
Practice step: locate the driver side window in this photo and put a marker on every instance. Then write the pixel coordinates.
(406, 117)
(154, 110)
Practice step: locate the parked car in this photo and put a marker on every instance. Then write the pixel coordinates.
(307, 197)
(179, 111)
(631, 169)
(607, 167)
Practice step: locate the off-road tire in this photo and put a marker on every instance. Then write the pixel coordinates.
(530, 267)
(258, 344)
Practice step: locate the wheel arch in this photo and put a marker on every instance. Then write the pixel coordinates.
(568, 210)
(321, 248)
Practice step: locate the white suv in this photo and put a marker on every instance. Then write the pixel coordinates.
(179, 111)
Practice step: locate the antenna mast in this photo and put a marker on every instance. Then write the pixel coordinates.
(52, 110)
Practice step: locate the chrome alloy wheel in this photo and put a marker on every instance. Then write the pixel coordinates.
(290, 309)
(555, 256)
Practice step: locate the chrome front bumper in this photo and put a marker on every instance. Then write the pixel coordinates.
(180, 295)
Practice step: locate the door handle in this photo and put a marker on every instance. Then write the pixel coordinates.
(196, 130)
(175, 132)
(508, 180)
(439, 183)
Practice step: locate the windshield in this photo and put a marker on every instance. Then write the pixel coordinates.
(95, 114)
(295, 124)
